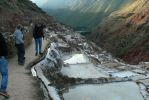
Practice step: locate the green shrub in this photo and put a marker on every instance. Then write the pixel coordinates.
(129, 25)
(7, 5)
(125, 44)
(146, 47)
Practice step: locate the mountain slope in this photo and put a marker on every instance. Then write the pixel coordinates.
(125, 33)
(14, 12)
(87, 14)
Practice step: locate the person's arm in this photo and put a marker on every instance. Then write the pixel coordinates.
(34, 32)
(4, 47)
(20, 37)
(42, 33)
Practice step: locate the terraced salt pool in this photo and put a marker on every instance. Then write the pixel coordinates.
(112, 91)
(124, 74)
(83, 71)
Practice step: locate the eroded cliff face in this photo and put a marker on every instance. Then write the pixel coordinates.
(86, 14)
(125, 33)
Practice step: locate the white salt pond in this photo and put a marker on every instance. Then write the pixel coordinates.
(124, 74)
(77, 58)
(83, 71)
(113, 91)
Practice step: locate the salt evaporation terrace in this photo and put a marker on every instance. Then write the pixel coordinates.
(76, 59)
(79, 66)
(76, 69)
(112, 91)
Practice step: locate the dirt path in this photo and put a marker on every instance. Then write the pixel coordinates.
(22, 86)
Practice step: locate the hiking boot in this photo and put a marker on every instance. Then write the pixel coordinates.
(4, 93)
(22, 64)
(40, 53)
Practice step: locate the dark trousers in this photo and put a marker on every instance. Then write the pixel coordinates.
(21, 53)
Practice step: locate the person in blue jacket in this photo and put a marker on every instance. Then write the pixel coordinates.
(19, 43)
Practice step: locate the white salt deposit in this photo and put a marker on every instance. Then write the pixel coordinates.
(113, 91)
(146, 62)
(54, 45)
(83, 71)
(34, 74)
(77, 58)
(68, 37)
(48, 53)
(124, 74)
(140, 71)
(62, 45)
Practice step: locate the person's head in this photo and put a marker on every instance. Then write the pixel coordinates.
(1, 36)
(19, 27)
(36, 25)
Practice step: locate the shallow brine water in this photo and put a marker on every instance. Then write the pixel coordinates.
(124, 74)
(113, 91)
(83, 71)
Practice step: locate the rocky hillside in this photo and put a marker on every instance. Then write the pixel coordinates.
(14, 12)
(23, 12)
(86, 14)
(125, 33)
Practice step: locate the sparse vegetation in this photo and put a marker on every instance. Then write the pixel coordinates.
(7, 5)
(27, 4)
(146, 47)
(125, 45)
(126, 33)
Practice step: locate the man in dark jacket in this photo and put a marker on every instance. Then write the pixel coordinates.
(3, 66)
(38, 34)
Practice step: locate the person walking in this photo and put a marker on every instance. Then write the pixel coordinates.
(38, 34)
(19, 43)
(3, 66)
